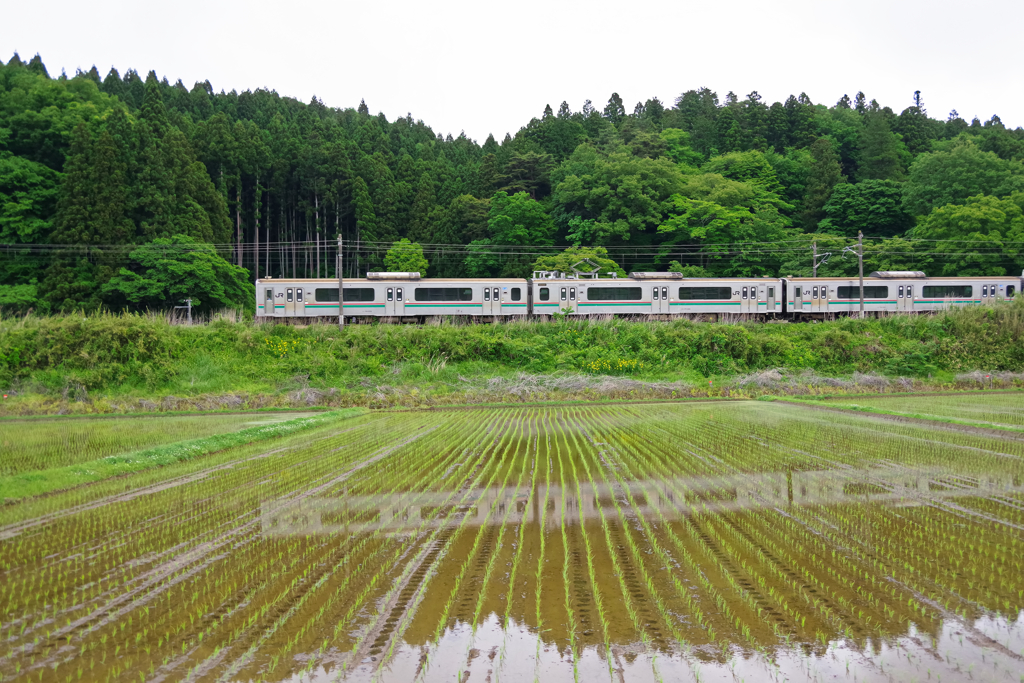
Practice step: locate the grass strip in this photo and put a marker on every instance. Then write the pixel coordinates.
(893, 413)
(27, 484)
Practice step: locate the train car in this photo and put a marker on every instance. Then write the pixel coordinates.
(892, 292)
(396, 297)
(661, 295)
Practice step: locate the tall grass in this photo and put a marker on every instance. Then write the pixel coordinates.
(74, 356)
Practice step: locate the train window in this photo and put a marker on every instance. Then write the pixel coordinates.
(391, 294)
(991, 290)
(398, 294)
(705, 293)
(945, 291)
(984, 290)
(270, 294)
(330, 295)
(545, 294)
(870, 292)
(516, 293)
(655, 293)
(289, 295)
(563, 293)
(298, 294)
(771, 292)
(487, 293)
(901, 292)
(1009, 291)
(664, 293)
(615, 294)
(444, 293)
(910, 291)
(495, 293)
(572, 294)
(814, 294)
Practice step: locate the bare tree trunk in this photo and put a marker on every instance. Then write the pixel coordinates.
(266, 269)
(238, 217)
(256, 226)
(316, 227)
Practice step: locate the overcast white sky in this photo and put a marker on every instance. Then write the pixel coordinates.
(489, 67)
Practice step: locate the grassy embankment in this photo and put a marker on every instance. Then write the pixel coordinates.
(114, 363)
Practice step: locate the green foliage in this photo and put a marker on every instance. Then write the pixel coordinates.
(406, 257)
(678, 149)
(565, 260)
(688, 271)
(950, 176)
(982, 236)
(614, 195)
(19, 297)
(126, 159)
(720, 216)
(107, 353)
(872, 206)
(512, 220)
(749, 167)
(28, 199)
(164, 272)
(94, 350)
(825, 173)
(881, 154)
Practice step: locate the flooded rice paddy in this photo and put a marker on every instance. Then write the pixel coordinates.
(718, 541)
(996, 409)
(33, 444)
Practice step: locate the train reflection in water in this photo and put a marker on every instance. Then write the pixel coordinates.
(668, 499)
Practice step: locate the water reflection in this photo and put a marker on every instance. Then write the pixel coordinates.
(408, 511)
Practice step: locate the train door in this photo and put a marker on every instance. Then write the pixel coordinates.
(268, 301)
(289, 301)
(904, 297)
(770, 298)
(567, 296)
(798, 297)
(988, 294)
(394, 300)
(300, 302)
(659, 299)
(491, 301)
(748, 298)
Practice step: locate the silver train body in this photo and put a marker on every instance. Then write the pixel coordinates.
(406, 297)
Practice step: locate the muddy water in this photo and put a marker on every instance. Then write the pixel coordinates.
(741, 541)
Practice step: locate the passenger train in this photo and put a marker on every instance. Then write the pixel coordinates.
(406, 297)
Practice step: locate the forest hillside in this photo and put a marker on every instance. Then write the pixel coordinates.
(122, 191)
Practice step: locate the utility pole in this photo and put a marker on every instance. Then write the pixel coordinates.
(860, 267)
(814, 259)
(341, 298)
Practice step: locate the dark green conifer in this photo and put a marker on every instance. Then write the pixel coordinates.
(825, 174)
